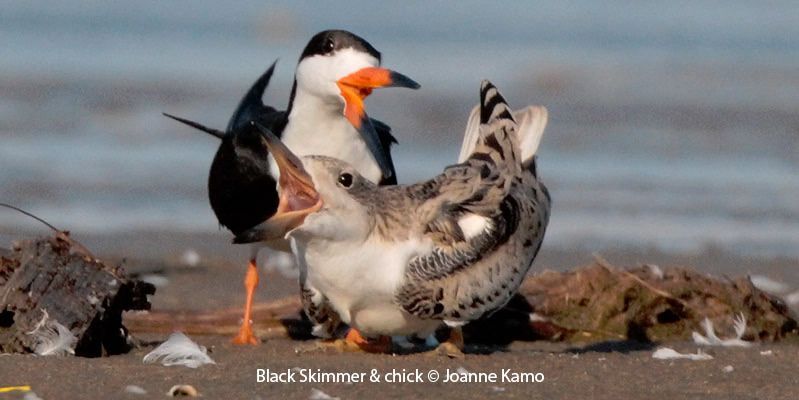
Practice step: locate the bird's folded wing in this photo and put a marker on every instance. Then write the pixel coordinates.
(471, 212)
(472, 218)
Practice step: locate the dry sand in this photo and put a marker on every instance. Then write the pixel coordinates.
(607, 370)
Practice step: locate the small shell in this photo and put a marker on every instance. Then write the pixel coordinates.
(183, 391)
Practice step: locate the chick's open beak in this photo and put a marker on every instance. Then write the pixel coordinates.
(298, 196)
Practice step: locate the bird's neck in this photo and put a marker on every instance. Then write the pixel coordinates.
(316, 125)
(303, 103)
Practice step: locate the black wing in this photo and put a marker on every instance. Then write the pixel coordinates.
(241, 189)
(386, 140)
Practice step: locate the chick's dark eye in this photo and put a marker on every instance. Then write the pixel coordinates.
(328, 46)
(345, 179)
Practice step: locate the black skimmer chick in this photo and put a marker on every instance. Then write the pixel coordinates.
(325, 115)
(403, 260)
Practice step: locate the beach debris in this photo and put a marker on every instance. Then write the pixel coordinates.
(182, 391)
(133, 389)
(179, 350)
(767, 353)
(655, 270)
(595, 303)
(79, 291)
(156, 280)
(536, 317)
(792, 299)
(667, 353)
(603, 302)
(19, 388)
(728, 368)
(280, 261)
(768, 285)
(711, 339)
(317, 394)
(31, 396)
(190, 258)
(51, 338)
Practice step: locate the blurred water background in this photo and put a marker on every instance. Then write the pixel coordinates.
(673, 125)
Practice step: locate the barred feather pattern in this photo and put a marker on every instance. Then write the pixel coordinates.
(462, 280)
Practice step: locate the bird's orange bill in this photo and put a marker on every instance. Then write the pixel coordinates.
(354, 89)
(298, 196)
(356, 86)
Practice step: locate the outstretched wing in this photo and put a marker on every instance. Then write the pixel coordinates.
(486, 219)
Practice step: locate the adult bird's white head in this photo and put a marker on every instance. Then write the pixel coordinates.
(341, 69)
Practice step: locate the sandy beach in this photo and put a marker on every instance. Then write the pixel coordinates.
(570, 370)
(673, 140)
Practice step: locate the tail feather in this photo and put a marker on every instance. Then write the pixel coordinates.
(530, 122)
(197, 125)
(251, 105)
(493, 106)
(496, 139)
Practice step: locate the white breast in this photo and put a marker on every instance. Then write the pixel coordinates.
(360, 281)
(316, 128)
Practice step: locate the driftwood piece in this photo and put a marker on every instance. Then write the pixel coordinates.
(58, 277)
(590, 304)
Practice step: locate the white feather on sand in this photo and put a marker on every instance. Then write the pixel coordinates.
(768, 285)
(667, 353)
(711, 339)
(179, 350)
(31, 396)
(51, 338)
(133, 389)
(655, 270)
(792, 299)
(317, 394)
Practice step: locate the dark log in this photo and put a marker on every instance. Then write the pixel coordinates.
(59, 276)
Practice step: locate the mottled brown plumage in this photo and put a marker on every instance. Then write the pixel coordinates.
(400, 260)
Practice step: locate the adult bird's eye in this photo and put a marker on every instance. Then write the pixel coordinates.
(345, 179)
(328, 46)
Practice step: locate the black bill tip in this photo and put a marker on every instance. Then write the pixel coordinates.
(400, 80)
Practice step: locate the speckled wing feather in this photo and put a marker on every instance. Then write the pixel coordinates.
(486, 218)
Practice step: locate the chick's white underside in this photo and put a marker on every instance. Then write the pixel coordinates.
(361, 291)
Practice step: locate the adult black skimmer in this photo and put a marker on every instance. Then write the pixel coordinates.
(403, 260)
(325, 115)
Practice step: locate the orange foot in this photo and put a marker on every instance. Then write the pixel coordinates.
(356, 341)
(245, 335)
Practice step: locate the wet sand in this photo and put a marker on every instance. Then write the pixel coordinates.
(603, 372)
(606, 370)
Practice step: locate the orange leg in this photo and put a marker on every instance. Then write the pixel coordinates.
(245, 335)
(381, 345)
